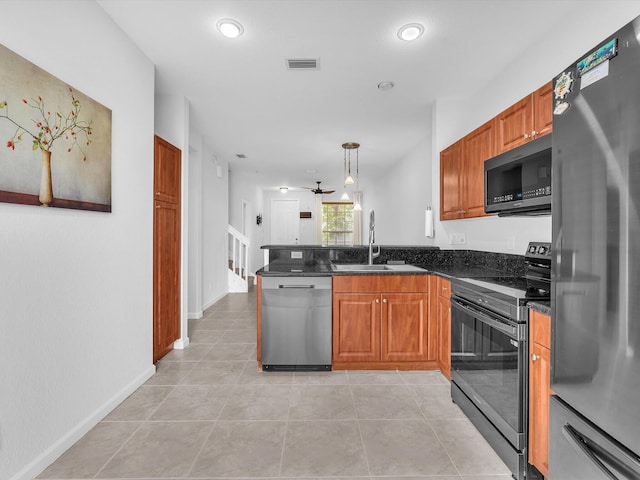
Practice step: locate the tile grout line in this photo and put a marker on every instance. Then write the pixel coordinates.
(118, 450)
(355, 411)
(215, 422)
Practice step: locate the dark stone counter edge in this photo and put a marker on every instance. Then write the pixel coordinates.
(540, 307)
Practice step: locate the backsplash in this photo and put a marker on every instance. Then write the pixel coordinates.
(414, 255)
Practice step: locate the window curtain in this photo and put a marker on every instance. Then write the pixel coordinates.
(318, 219)
(357, 219)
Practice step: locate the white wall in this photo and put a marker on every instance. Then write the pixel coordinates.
(194, 284)
(208, 220)
(76, 286)
(243, 187)
(215, 219)
(452, 119)
(400, 198)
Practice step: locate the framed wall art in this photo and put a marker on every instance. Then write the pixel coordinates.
(55, 148)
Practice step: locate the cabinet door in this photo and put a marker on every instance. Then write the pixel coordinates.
(406, 327)
(450, 185)
(539, 391)
(479, 146)
(356, 327)
(166, 178)
(540, 328)
(515, 124)
(543, 110)
(166, 277)
(444, 336)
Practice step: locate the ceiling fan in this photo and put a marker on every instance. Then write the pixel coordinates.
(318, 190)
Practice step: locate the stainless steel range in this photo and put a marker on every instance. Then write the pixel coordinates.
(489, 353)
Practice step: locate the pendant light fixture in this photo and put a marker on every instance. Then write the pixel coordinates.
(347, 147)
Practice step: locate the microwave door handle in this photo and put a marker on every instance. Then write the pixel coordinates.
(576, 440)
(506, 329)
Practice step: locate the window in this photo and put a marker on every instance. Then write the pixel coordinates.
(337, 223)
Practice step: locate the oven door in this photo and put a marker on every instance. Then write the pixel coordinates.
(489, 364)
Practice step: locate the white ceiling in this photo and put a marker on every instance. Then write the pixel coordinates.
(243, 99)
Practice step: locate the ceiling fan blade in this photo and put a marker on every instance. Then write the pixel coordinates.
(328, 191)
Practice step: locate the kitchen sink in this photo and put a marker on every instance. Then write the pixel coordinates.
(363, 267)
(358, 267)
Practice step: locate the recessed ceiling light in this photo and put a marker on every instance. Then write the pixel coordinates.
(386, 86)
(229, 28)
(410, 32)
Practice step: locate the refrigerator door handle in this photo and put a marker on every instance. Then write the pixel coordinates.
(577, 440)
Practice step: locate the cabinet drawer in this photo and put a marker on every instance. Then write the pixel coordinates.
(372, 283)
(540, 328)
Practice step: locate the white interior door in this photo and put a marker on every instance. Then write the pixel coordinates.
(285, 222)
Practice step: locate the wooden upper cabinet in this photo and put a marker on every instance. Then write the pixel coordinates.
(543, 110)
(525, 120)
(479, 145)
(514, 125)
(167, 171)
(462, 173)
(450, 182)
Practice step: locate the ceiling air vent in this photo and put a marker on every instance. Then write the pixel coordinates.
(302, 64)
(241, 155)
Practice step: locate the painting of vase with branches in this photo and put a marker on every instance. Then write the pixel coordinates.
(57, 141)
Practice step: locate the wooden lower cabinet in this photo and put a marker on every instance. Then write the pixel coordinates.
(356, 327)
(386, 324)
(443, 316)
(539, 390)
(405, 327)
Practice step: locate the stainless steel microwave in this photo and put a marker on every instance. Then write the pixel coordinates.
(518, 182)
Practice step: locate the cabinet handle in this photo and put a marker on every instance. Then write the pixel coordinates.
(526, 135)
(534, 357)
(384, 300)
(158, 206)
(534, 133)
(377, 300)
(157, 193)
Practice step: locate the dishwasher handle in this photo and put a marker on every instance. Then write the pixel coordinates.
(296, 286)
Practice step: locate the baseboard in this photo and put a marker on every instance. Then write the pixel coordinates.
(181, 343)
(214, 300)
(47, 457)
(195, 315)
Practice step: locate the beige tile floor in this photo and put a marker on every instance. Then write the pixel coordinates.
(209, 413)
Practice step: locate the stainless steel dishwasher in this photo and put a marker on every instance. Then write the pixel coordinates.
(296, 323)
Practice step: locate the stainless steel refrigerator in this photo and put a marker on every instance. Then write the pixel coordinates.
(595, 415)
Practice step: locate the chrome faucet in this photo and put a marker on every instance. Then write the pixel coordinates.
(372, 237)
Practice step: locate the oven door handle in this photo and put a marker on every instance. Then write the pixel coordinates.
(511, 331)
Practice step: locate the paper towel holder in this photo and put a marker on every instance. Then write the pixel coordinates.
(428, 222)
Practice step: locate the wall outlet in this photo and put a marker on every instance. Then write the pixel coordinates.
(457, 239)
(297, 255)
